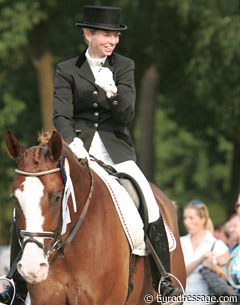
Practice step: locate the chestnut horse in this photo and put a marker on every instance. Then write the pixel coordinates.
(90, 263)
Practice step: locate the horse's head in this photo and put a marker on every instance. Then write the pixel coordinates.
(37, 192)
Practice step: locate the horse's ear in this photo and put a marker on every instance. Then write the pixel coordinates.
(55, 146)
(14, 147)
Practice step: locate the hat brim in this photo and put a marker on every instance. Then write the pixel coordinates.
(121, 27)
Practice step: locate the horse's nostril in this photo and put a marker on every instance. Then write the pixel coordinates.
(43, 265)
(19, 266)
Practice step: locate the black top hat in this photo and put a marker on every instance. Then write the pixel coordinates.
(102, 17)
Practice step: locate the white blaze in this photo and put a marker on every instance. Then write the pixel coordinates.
(29, 199)
(33, 265)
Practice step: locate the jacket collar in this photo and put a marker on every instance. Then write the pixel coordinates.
(84, 69)
(82, 59)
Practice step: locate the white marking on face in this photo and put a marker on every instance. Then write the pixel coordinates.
(29, 199)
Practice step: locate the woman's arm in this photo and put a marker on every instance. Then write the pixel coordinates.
(216, 265)
(63, 106)
(192, 266)
(123, 104)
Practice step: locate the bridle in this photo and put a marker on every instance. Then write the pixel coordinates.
(57, 242)
(37, 174)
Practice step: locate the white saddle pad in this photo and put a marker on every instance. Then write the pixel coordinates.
(128, 213)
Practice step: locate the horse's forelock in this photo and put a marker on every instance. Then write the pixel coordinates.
(37, 154)
(44, 137)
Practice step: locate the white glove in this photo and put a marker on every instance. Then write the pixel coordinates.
(104, 79)
(78, 148)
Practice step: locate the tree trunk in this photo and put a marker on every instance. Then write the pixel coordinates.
(146, 114)
(235, 178)
(42, 61)
(44, 70)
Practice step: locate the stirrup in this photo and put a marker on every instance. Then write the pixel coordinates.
(171, 295)
(11, 282)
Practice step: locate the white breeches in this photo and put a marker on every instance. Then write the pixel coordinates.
(129, 167)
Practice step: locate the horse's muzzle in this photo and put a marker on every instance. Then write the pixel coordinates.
(33, 265)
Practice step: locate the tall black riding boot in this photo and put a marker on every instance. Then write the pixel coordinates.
(157, 243)
(20, 285)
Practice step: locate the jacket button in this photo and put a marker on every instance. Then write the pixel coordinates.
(95, 93)
(95, 105)
(115, 103)
(96, 113)
(96, 125)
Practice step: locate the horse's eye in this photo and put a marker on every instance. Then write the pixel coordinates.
(13, 197)
(55, 198)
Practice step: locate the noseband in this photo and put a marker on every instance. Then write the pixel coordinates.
(31, 239)
(55, 236)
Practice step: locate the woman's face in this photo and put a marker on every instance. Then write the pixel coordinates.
(192, 221)
(101, 43)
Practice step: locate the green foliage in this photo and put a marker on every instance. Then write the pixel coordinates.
(17, 19)
(184, 170)
(10, 111)
(207, 69)
(197, 46)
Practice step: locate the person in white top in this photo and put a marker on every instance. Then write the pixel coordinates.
(197, 250)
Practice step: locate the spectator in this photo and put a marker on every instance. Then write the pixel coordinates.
(4, 263)
(220, 232)
(197, 245)
(237, 205)
(231, 266)
(232, 228)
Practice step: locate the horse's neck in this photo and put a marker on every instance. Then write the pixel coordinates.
(77, 169)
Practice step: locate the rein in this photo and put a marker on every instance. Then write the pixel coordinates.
(62, 244)
(58, 244)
